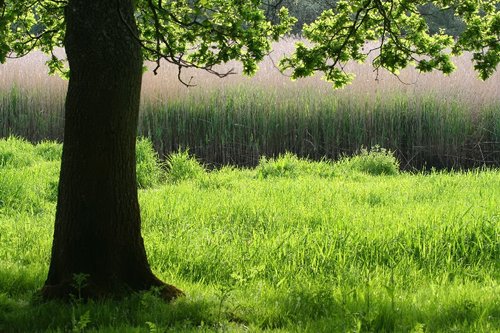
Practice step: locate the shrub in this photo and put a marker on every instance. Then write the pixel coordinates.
(287, 165)
(376, 161)
(149, 169)
(182, 166)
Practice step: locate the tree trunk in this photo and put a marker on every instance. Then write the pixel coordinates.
(98, 226)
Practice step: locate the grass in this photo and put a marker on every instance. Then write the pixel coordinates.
(433, 121)
(291, 246)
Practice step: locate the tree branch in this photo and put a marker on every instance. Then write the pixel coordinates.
(170, 56)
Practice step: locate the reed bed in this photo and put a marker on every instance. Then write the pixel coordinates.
(429, 120)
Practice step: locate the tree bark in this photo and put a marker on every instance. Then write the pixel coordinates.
(98, 226)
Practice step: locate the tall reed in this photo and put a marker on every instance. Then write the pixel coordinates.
(238, 126)
(428, 120)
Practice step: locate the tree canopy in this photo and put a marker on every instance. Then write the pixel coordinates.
(306, 11)
(204, 33)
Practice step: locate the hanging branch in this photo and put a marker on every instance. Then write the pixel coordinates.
(168, 54)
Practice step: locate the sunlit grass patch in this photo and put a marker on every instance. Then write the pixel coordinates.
(323, 248)
(149, 168)
(183, 166)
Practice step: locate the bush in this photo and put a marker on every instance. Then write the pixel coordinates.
(149, 168)
(377, 161)
(287, 165)
(182, 166)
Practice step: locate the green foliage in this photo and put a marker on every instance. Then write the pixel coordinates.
(41, 162)
(28, 175)
(197, 34)
(209, 32)
(29, 188)
(15, 153)
(25, 26)
(223, 179)
(149, 168)
(286, 165)
(376, 161)
(205, 33)
(402, 35)
(80, 324)
(181, 166)
(49, 150)
(355, 252)
(306, 11)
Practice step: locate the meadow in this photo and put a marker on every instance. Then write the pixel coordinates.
(428, 120)
(292, 245)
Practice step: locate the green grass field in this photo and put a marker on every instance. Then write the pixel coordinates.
(290, 246)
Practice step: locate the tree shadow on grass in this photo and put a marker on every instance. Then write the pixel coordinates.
(16, 279)
(312, 309)
(21, 310)
(139, 312)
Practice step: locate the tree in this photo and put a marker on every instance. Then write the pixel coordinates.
(306, 11)
(97, 226)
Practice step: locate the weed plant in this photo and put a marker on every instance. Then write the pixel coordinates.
(324, 248)
(149, 167)
(182, 166)
(377, 161)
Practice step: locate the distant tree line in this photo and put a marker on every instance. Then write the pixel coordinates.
(306, 11)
